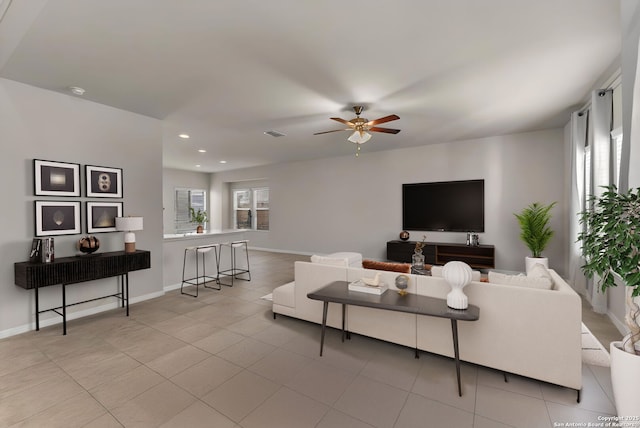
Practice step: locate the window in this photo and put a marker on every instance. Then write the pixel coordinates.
(616, 141)
(185, 200)
(251, 208)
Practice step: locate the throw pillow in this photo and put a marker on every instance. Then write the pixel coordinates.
(388, 266)
(520, 280)
(540, 271)
(333, 261)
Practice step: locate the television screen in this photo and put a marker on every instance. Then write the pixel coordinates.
(451, 206)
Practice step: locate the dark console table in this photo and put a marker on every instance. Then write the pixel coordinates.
(437, 253)
(72, 270)
(338, 292)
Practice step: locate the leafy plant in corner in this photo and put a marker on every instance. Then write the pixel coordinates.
(535, 231)
(199, 217)
(611, 246)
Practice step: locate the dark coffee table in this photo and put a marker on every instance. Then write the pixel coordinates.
(338, 292)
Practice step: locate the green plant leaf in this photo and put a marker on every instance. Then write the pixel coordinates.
(534, 227)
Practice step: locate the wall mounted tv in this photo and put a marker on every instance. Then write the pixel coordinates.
(450, 206)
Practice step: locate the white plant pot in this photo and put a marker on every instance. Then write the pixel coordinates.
(625, 372)
(530, 262)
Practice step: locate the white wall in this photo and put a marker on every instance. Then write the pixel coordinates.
(354, 204)
(35, 123)
(174, 179)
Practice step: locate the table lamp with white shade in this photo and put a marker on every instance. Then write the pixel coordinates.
(129, 225)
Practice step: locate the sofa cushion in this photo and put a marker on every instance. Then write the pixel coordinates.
(520, 280)
(388, 266)
(326, 260)
(540, 271)
(339, 259)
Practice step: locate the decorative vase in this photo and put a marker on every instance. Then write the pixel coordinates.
(404, 235)
(530, 262)
(88, 244)
(199, 229)
(625, 372)
(458, 275)
(417, 260)
(402, 282)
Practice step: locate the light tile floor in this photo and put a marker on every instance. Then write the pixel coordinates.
(222, 361)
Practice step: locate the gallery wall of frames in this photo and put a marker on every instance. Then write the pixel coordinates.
(54, 180)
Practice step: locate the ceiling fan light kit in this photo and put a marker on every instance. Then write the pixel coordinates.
(362, 127)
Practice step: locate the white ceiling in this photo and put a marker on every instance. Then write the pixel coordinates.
(225, 71)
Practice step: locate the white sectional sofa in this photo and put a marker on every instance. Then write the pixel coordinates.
(527, 331)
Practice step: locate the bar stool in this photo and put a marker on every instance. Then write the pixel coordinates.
(204, 278)
(234, 271)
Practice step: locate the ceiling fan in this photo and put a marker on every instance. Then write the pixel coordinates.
(361, 127)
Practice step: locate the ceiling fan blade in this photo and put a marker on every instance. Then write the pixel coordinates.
(383, 120)
(346, 122)
(335, 130)
(385, 130)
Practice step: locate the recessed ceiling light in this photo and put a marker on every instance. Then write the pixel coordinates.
(202, 150)
(223, 161)
(76, 90)
(184, 136)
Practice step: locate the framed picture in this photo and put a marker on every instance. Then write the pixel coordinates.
(57, 218)
(56, 178)
(103, 182)
(101, 216)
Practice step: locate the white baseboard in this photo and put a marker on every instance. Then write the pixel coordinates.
(620, 325)
(75, 315)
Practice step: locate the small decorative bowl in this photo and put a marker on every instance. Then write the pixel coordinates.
(88, 244)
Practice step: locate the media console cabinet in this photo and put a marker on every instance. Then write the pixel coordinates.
(436, 253)
(77, 269)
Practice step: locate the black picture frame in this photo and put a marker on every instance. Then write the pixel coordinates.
(101, 216)
(52, 178)
(55, 218)
(103, 181)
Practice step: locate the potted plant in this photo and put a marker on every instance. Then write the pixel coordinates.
(417, 259)
(199, 217)
(611, 248)
(535, 232)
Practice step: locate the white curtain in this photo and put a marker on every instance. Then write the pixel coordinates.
(601, 121)
(579, 122)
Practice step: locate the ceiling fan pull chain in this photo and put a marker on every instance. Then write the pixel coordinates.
(358, 150)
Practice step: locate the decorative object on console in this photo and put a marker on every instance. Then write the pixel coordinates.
(404, 235)
(359, 285)
(402, 282)
(388, 266)
(609, 244)
(129, 225)
(199, 217)
(88, 244)
(103, 182)
(535, 231)
(458, 275)
(417, 260)
(373, 282)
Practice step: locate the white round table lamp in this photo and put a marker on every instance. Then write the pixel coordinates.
(129, 225)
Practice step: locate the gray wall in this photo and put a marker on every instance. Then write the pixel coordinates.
(354, 204)
(35, 123)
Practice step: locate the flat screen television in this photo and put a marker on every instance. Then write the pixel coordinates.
(450, 206)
